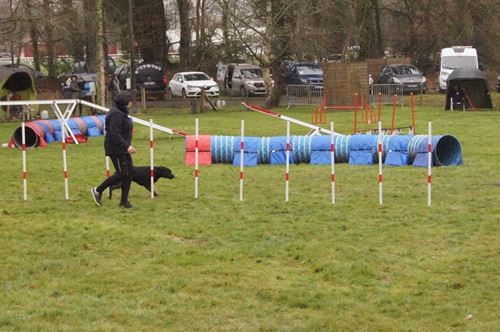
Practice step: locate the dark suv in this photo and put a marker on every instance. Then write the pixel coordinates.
(302, 73)
(151, 76)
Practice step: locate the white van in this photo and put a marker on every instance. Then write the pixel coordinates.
(456, 57)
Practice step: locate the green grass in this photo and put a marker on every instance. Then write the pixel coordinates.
(176, 263)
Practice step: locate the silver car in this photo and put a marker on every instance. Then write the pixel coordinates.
(241, 79)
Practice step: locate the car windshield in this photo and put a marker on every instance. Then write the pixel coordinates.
(252, 72)
(196, 77)
(452, 62)
(309, 70)
(406, 70)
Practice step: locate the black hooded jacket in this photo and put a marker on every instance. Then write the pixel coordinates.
(118, 127)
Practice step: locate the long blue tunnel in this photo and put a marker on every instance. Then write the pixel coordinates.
(398, 150)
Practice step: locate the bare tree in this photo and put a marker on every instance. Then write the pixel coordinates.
(183, 7)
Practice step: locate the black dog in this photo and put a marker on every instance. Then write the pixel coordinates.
(142, 177)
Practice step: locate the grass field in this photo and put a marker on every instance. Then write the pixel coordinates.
(176, 263)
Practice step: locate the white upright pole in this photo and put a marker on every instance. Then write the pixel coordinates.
(151, 158)
(196, 173)
(65, 163)
(380, 174)
(287, 167)
(108, 173)
(429, 167)
(242, 159)
(332, 156)
(25, 181)
(451, 104)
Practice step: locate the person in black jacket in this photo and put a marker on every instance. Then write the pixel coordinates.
(118, 147)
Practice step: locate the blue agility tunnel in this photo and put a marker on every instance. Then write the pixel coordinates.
(446, 151)
(41, 132)
(398, 150)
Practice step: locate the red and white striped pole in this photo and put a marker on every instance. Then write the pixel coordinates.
(65, 163)
(151, 158)
(108, 174)
(380, 174)
(25, 181)
(332, 157)
(242, 159)
(196, 172)
(287, 167)
(429, 166)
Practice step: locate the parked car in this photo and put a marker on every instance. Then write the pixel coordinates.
(189, 84)
(242, 79)
(498, 83)
(34, 73)
(302, 73)
(409, 77)
(80, 67)
(151, 76)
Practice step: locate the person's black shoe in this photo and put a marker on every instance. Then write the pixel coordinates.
(125, 205)
(96, 196)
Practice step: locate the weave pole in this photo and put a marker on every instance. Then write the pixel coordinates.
(65, 162)
(332, 161)
(107, 172)
(151, 158)
(25, 180)
(429, 167)
(196, 172)
(287, 167)
(380, 174)
(242, 159)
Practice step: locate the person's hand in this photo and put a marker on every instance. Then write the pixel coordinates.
(131, 150)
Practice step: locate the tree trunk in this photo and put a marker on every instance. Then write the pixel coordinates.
(266, 60)
(89, 7)
(378, 48)
(33, 34)
(49, 33)
(149, 30)
(185, 42)
(101, 57)
(225, 30)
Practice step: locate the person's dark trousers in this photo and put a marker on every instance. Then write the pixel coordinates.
(124, 170)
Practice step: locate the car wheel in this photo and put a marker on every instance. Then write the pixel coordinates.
(243, 92)
(184, 93)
